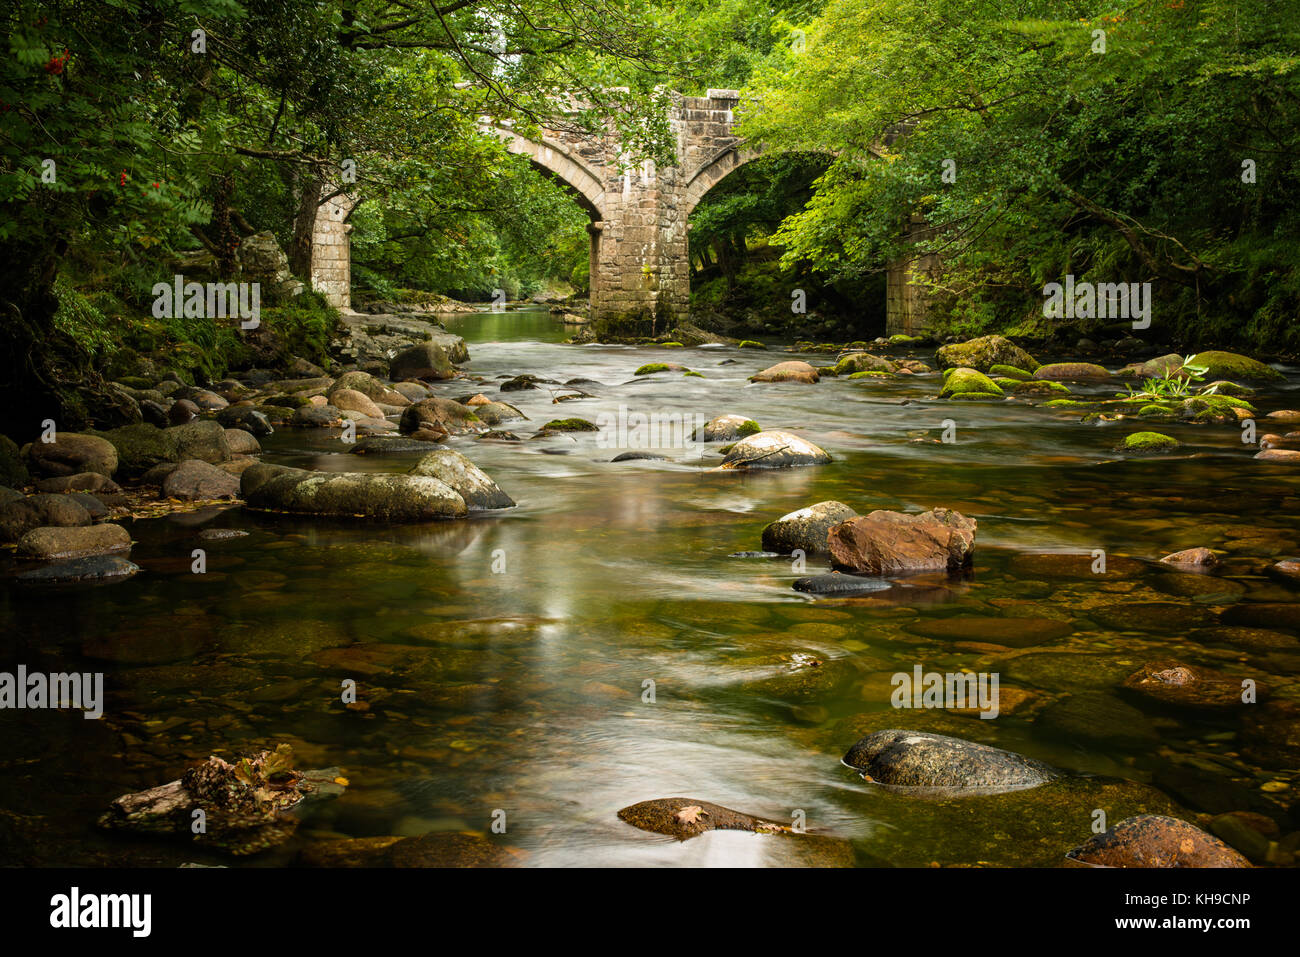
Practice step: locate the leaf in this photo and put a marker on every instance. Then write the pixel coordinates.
(690, 815)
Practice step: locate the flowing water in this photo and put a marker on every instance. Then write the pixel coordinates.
(598, 645)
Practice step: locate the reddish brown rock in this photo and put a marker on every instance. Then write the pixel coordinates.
(1279, 455)
(1191, 556)
(887, 543)
(684, 818)
(1151, 840)
(793, 371)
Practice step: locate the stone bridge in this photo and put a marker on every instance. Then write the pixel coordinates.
(640, 266)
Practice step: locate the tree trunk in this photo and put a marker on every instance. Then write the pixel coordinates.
(304, 225)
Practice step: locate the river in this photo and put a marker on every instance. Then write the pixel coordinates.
(599, 645)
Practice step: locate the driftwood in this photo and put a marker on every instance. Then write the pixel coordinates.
(237, 808)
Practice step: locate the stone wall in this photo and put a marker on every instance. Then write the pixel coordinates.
(331, 256)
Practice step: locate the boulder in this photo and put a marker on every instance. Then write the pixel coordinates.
(242, 443)
(94, 568)
(393, 445)
(494, 413)
(1147, 443)
(773, 449)
(349, 400)
(81, 482)
(806, 528)
(464, 477)
(890, 543)
(72, 453)
(245, 417)
(389, 498)
(49, 543)
(1152, 840)
(182, 411)
(725, 428)
(425, 360)
(685, 818)
(1200, 557)
(194, 481)
(862, 362)
(411, 391)
(917, 759)
(984, 353)
(1072, 372)
(20, 515)
(317, 417)
(1230, 365)
(962, 381)
(793, 371)
(438, 414)
(371, 388)
(141, 447)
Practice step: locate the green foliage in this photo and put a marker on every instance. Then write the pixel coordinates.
(1117, 166)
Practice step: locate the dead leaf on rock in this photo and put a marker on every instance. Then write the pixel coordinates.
(690, 815)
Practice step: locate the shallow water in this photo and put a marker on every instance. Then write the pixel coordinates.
(523, 690)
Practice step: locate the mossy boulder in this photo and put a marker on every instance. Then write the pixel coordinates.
(1154, 410)
(870, 375)
(984, 353)
(861, 362)
(1037, 387)
(965, 380)
(141, 447)
(1216, 409)
(1224, 387)
(1147, 443)
(379, 497)
(1230, 365)
(750, 344)
(726, 428)
(570, 425)
(464, 477)
(1010, 372)
(1080, 404)
(650, 368)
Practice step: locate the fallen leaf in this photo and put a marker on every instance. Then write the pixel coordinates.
(690, 815)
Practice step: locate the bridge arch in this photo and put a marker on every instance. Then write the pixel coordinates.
(564, 165)
(713, 171)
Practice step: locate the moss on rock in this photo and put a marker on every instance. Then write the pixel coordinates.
(570, 425)
(968, 381)
(1010, 372)
(984, 353)
(1230, 365)
(1148, 442)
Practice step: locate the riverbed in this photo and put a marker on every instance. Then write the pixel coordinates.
(599, 645)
